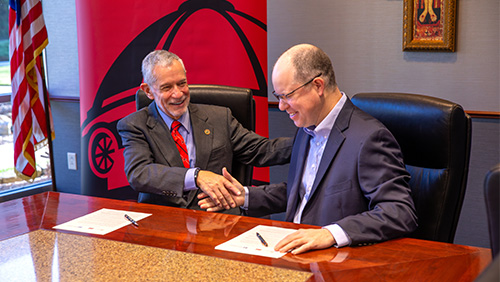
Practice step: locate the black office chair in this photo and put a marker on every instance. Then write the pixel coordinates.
(239, 100)
(435, 137)
(492, 199)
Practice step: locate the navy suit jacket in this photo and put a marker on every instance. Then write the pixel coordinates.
(153, 164)
(361, 183)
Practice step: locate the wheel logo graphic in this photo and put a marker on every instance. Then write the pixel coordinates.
(102, 146)
(101, 150)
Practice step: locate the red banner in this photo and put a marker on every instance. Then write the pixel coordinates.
(220, 42)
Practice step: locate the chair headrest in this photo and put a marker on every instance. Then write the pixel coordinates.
(425, 127)
(141, 99)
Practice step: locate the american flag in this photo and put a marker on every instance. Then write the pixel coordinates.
(27, 39)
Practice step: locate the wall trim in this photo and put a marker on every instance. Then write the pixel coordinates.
(65, 99)
(481, 114)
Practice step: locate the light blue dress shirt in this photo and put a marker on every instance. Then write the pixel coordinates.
(319, 137)
(186, 132)
(318, 142)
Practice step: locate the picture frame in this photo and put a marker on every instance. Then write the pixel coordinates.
(429, 25)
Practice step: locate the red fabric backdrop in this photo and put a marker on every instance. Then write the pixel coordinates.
(221, 42)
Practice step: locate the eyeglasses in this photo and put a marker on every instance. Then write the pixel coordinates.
(285, 96)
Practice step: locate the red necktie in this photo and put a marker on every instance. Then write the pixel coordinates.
(179, 141)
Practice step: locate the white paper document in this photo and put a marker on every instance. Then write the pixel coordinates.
(249, 242)
(101, 222)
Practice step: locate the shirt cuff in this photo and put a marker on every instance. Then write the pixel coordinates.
(341, 238)
(245, 203)
(189, 182)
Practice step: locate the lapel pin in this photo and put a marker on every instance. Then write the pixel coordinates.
(207, 131)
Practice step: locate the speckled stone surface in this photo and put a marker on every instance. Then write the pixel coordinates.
(51, 256)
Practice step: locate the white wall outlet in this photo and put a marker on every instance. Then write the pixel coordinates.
(71, 161)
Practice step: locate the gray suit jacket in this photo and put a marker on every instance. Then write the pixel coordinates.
(154, 167)
(361, 184)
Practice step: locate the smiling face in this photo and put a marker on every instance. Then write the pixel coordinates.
(170, 91)
(304, 106)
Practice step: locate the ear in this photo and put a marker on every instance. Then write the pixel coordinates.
(145, 87)
(319, 85)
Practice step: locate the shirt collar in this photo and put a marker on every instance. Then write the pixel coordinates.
(326, 125)
(184, 119)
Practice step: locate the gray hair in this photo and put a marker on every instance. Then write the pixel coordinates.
(161, 58)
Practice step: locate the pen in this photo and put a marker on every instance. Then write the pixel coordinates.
(261, 239)
(131, 220)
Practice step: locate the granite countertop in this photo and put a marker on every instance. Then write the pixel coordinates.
(52, 256)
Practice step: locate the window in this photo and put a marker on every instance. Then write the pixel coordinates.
(9, 181)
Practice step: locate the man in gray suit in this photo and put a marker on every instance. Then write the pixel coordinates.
(211, 136)
(346, 172)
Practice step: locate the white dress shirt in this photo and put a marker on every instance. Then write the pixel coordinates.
(319, 137)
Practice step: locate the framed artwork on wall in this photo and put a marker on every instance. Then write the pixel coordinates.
(429, 25)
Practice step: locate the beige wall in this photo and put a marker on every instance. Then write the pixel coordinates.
(364, 40)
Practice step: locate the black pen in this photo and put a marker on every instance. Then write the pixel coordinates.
(131, 220)
(261, 239)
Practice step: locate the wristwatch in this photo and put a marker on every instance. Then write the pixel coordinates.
(196, 176)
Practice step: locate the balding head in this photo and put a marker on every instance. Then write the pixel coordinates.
(304, 83)
(306, 61)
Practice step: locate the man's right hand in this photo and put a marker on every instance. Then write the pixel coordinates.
(237, 197)
(220, 190)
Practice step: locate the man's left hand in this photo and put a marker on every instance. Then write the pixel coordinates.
(304, 240)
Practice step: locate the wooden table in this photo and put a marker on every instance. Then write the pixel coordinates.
(165, 234)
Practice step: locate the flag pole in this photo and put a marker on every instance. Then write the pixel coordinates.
(49, 122)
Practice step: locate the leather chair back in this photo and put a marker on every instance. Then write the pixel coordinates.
(492, 199)
(435, 138)
(239, 100)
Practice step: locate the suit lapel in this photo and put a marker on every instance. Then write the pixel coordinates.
(160, 134)
(335, 141)
(297, 162)
(202, 134)
(203, 139)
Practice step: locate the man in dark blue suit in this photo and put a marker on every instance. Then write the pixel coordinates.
(346, 172)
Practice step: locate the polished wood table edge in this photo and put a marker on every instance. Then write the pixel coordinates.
(34, 218)
(46, 210)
